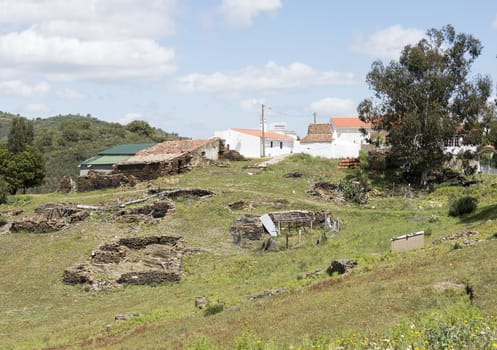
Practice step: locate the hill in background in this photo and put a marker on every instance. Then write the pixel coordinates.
(67, 140)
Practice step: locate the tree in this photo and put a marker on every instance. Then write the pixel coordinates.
(20, 134)
(140, 127)
(22, 170)
(424, 97)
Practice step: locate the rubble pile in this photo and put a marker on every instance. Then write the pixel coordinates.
(137, 260)
(156, 210)
(463, 235)
(50, 217)
(341, 266)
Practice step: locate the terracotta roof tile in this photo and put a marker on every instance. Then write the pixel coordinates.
(267, 134)
(318, 133)
(166, 151)
(349, 122)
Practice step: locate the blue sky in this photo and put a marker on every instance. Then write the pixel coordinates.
(197, 66)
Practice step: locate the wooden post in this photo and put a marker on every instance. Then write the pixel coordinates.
(287, 240)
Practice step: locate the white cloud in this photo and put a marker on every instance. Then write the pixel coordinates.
(20, 88)
(251, 105)
(102, 19)
(70, 94)
(129, 117)
(73, 59)
(334, 106)
(386, 43)
(270, 77)
(37, 108)
(239, 13)
(91, 40)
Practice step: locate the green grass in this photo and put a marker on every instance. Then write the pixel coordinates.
(381, 298)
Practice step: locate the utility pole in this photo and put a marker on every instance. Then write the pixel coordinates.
(314, 114)
(263, 138)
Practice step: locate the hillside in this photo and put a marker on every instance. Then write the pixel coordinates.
(444, 293)
(68, 140)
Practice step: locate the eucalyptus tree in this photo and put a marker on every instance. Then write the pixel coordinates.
(426, 97)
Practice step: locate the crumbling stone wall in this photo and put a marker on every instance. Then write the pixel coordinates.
(49, 217)
(153, 170)
(133, 260)
(98, 181)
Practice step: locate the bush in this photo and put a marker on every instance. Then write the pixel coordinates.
(213, 309)
(464, 205)
(4, 190)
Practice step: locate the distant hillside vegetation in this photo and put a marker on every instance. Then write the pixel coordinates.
(68, 140)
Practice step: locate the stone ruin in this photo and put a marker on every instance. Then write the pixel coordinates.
(248, 228)
(136, 260)
(67, 185)
(98, 181)
(341, 266)
(193, 193)
(324, 190)
(463, 237)
(145, 213)
(50, 217)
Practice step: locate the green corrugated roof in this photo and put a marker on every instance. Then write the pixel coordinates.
(104, 160)
(126, 149)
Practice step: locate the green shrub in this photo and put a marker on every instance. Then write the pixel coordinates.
(4, 190)
(353, 191)
(213, 309)
(463, 205)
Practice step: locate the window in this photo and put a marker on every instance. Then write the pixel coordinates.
(453, 142)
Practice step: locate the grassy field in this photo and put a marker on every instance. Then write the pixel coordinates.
(390, 300)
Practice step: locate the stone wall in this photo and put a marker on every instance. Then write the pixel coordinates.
(97, 181)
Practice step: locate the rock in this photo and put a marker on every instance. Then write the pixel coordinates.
(124, 317)
(293, 175)
(233, 155)
(341, 266)
(464, 235)
(268, 293)
(201, 302)
(268, 244)
(238, 205)
(247, 227)
(159, 209)
(67, 185)
(78, 274)
(280, 203)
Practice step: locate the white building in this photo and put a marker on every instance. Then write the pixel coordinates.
(248, 142)
(341, 138)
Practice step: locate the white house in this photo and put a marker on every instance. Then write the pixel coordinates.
(317, 142)
(341, 138)
(248, 142)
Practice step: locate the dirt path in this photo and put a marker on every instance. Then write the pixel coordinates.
(273, 160)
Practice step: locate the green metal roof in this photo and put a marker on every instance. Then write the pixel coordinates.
(105, 160)
(126, 149)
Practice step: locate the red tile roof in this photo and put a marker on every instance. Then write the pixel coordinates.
(349, 122)
(318, 133)
(267, 134)
(167, 150)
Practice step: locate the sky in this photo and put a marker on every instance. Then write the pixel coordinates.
(197, 66)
